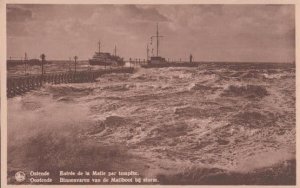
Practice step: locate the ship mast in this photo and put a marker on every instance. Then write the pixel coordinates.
(157, 39)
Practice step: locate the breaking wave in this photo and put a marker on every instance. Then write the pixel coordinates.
(182, 125)
(248, 91)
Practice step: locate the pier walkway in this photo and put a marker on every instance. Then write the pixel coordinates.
(17, 85)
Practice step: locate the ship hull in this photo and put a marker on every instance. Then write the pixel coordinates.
(106, 63)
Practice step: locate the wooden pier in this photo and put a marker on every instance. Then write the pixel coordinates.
(22, 84)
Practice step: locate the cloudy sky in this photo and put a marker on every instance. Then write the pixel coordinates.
(209, 32)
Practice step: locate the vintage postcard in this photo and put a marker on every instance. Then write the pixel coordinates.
(149, 93)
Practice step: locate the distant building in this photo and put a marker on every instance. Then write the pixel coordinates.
(11, 63)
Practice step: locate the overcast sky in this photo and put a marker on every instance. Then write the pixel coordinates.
(209, 32)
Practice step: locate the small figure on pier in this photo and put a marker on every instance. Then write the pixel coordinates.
(43, 57)
(70, 61)
(75, 58)
(191, 58)
(25, 62)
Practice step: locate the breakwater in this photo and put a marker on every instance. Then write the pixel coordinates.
(19, 85)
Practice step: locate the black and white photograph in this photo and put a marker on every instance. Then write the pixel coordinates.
(151, 94)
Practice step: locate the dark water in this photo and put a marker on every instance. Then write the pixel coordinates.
(171, 123)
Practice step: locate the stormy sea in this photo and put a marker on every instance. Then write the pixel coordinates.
(217, 124)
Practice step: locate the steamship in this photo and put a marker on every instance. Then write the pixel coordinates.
(106, 59)
(160, 62)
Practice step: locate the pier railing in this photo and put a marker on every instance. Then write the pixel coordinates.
(18, 85)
